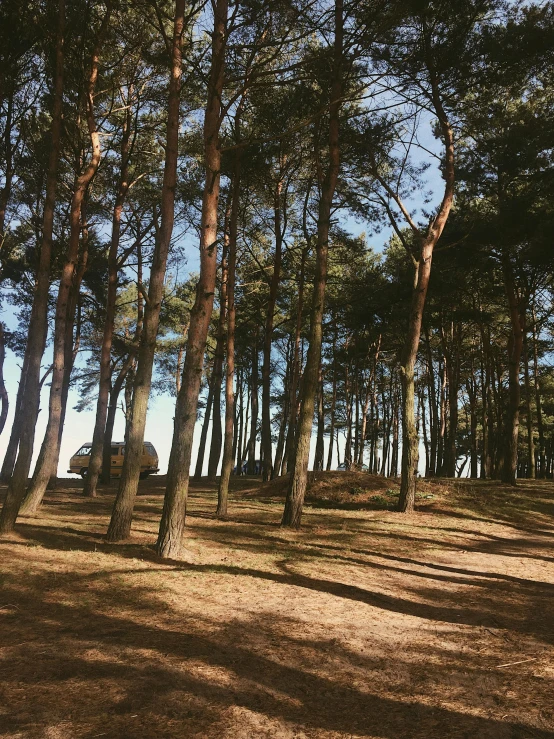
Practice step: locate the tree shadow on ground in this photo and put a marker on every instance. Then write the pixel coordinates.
(124, 667)
(530, 600)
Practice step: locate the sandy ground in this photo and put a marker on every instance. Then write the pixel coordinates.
(366, 623)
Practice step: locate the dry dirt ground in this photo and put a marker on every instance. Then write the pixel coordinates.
(366, 623)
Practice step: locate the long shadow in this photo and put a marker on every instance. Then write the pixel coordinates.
(529, 622)
(280, 686)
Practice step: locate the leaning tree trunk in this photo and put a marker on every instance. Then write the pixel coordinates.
(38, 324)
(298, 482)
(122, 514)
(17, 424)
(173, 515)
(68, 289)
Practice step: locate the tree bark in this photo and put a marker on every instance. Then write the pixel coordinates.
(120, 524)
(174, 510)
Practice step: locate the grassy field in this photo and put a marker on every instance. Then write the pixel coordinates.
(366, 623)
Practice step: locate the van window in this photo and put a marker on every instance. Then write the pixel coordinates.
(149, 449)
(84, 451)
(115, 451)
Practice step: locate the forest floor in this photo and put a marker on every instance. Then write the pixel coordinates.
(365, 623)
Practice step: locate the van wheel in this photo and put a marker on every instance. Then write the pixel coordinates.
(84, 472)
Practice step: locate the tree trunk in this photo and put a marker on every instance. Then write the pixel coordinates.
(68, 291)
(230, 423)
(515, 346)
(395, 439)
(45, 474)
(120, 524)
(215, 443)
(319, 447)
(268, 334)
(122, 376)
(427, 242)
(333, 406)
(173, 516)
(297, 488)
(296, 371)
(253, 409)
(410, 440)
(3, 391)
(38, 324)
(18, 422)
(95, 462)
(538, 402)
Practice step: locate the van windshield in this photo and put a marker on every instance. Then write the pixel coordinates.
(149, 449)
(84, 451)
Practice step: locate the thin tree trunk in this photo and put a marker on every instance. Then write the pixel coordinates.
(410, 440)
(3, 391)
(288, 458)
(538, 401)
(333, 405)
(95, 462)
(529, 408)
(268, 334)
(45, 474)
(515, 346)
(18, 422)
(253, 409)
(120, 524)
(297, 489)
(215, 443)
(319, 447)
(173, 515)
(122, 376)
(230, 422)
(38, 324)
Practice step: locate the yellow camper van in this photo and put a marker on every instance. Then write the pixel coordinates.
(79, 462)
